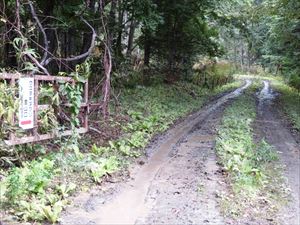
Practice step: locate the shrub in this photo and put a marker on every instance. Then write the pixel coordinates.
(211, 74)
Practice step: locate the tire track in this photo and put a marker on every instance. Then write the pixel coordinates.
(129, 204)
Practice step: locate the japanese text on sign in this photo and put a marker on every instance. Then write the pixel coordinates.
(26, 109)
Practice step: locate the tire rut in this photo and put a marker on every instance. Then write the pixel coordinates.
(270, 125)
(131, 202)
(185, 190)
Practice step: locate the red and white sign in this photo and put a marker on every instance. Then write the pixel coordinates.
(26, 108)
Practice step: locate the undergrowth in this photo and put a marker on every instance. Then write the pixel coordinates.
(38, 190)
(254, 178)
(290, 99)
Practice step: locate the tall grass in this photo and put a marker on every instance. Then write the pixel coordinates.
(211, 74)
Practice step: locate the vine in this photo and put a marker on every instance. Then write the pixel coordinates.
(73, 93)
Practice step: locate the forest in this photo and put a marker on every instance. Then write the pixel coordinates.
(149, 112)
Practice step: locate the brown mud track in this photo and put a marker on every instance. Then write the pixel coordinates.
(184, 191)
(133, 201)
(180, 181)
(271, 126)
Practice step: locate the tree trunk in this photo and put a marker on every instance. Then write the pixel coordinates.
(147, 48)
(131, 37)
(118, 49)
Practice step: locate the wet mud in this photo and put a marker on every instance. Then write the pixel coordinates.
(178, 153)
(270, 125)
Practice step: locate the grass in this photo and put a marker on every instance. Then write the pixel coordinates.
(38, 190)
(290, 100)
(289, 97)
(256, 186)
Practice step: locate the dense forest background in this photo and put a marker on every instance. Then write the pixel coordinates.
(138, 39)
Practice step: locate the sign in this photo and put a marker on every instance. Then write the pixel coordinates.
(26, 108)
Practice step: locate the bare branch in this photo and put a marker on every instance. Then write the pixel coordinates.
(84, 55)
(18, 20)
(36, 62)
(18, 30)
(46, 44)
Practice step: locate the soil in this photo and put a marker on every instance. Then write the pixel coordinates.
(125, 203)
(276, 131)
(180, 180)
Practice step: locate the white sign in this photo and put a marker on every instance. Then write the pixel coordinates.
(26, 108)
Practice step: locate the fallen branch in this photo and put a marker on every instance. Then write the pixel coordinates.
(97, 131)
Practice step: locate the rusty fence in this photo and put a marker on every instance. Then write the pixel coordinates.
(33, 134)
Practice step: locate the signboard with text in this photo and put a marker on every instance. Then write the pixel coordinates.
(26, 108)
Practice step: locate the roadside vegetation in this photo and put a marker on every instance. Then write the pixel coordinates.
(289, 100)
(254, 178)
(288, 95)
(39, 186)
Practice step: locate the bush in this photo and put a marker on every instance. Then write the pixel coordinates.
(294, 80)
(211, 74)
(32, 178)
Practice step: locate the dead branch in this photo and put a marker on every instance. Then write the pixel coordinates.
(46, 44)
(81, 56)
(18, 20)
(18, 30)
(98, 131)
(107, 64)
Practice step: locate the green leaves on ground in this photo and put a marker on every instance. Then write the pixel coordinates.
(29, 189)
(253, 175)
(290, 100)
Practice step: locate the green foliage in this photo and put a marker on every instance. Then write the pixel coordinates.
(240, 156)
(211, 74)
(29, 193)
(74, 95)
(64, 190)
(8, 107)
(290, 100)
(23, 52)
(254, 174)
(102, 167)
(294, 80)
(235, 144)
(32, 178)
(265, 153)
(184, 33)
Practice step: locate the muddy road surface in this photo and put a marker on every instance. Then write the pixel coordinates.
(271, 126)
(185, 156)
(180, 182)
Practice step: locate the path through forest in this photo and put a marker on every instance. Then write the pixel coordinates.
(271, 126)
(180, 181)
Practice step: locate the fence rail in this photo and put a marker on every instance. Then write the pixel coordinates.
(33, 135)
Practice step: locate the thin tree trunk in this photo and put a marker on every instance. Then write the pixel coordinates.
(118, 49)
(107, 61)
(147, 48)
(131, 37)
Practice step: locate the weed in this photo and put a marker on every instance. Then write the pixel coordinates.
(31, 178)
(250, 166)
(102, 167)
(290, 99)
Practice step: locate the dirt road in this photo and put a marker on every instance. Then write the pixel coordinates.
(275, 130)
(133, 203)
(180, 181)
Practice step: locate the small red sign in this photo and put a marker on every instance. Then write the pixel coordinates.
(26, 122)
